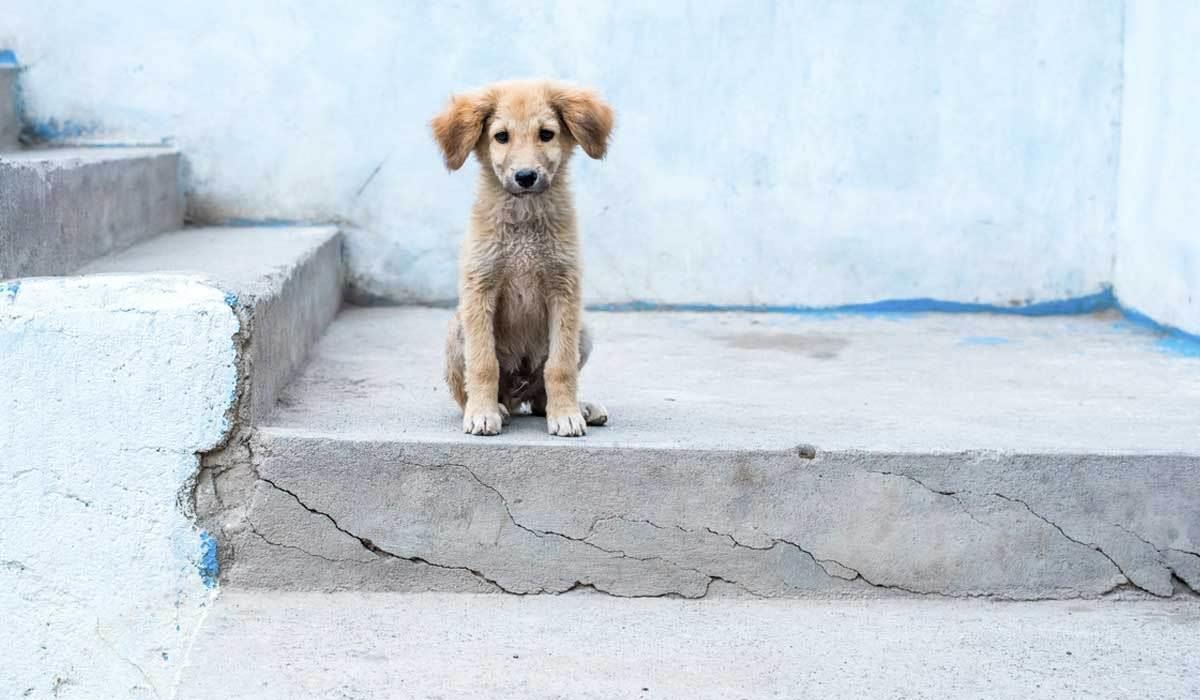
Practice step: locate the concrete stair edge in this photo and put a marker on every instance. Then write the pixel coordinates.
(61, 208)
(284, 283)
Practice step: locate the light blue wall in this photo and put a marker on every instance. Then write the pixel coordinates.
(1158, 256)
(801, 152)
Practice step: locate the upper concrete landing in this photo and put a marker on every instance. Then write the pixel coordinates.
(887, 383)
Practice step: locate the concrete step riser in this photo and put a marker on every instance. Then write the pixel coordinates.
(10, 127)
(63, 208)
(329, 514)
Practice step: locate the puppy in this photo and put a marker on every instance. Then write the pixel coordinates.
(518, 335)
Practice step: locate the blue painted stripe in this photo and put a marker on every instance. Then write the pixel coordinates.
(1171, 339)
(265, 223)
(8, 58)
(1091, 303)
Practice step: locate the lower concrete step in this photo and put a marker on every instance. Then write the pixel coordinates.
(61, 208)
(750, 455)
(284, 282)
(287, 646)
(10, 126)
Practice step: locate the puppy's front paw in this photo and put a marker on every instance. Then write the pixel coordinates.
(483, 421)
(566, 423)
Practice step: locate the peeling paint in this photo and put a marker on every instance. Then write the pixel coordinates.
(208, 565)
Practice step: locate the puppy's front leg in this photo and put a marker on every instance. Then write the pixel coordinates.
(477, 308)
(563, 416)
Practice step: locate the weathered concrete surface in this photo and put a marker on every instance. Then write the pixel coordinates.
(890, 382)
(62, 208)
(763, 455)
(10, 127)
(111, 386)
(586, 646)
(286, 283)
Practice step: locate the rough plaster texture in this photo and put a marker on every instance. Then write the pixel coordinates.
(112, 385)
(586, 646)
(813, 152)
(1067, 469)
(285, 282)
(1158, 255)
(10, 127)
(61, 208)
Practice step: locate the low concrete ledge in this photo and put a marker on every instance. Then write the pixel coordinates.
(639, 522)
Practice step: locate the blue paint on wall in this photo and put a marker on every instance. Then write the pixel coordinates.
(208, 565)
(1091, 303)
(268, 223)
(54, 130)
(1170, 339)
(984, 340)
(8, 58)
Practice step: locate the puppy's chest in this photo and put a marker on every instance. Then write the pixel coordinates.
(529, 262)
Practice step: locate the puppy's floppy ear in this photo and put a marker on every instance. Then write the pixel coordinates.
(586, 115)
(458, 128)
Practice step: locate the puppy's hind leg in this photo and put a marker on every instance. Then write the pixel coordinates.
(593, 413)
(456, 364)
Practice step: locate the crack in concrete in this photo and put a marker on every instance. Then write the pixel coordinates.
(952, 494)
(591, 531)
(847, 573)
(376, 549)
(1095, 547)
(254, 531)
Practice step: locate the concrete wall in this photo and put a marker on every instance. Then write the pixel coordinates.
(1158, 255)
(103, 577)
(811, 152)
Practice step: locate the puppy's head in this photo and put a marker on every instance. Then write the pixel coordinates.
(523, 131)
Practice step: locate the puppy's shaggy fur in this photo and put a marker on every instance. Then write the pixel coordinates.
(518, 334)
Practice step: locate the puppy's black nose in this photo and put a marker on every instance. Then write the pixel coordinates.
(526, 178)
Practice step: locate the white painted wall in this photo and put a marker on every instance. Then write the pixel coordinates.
(1158, 255)
(800, 152)
(109, 386)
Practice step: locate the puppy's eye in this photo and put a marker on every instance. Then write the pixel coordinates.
(546, 135)
(501, 137)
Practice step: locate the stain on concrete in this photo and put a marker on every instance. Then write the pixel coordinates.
(818, 346)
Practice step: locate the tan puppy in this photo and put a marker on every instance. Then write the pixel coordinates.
(518, 335)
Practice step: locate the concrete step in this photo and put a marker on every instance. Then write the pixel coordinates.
(61, 208)
(284, 282)
(10, 126)
(587, 646)
(766, 455)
